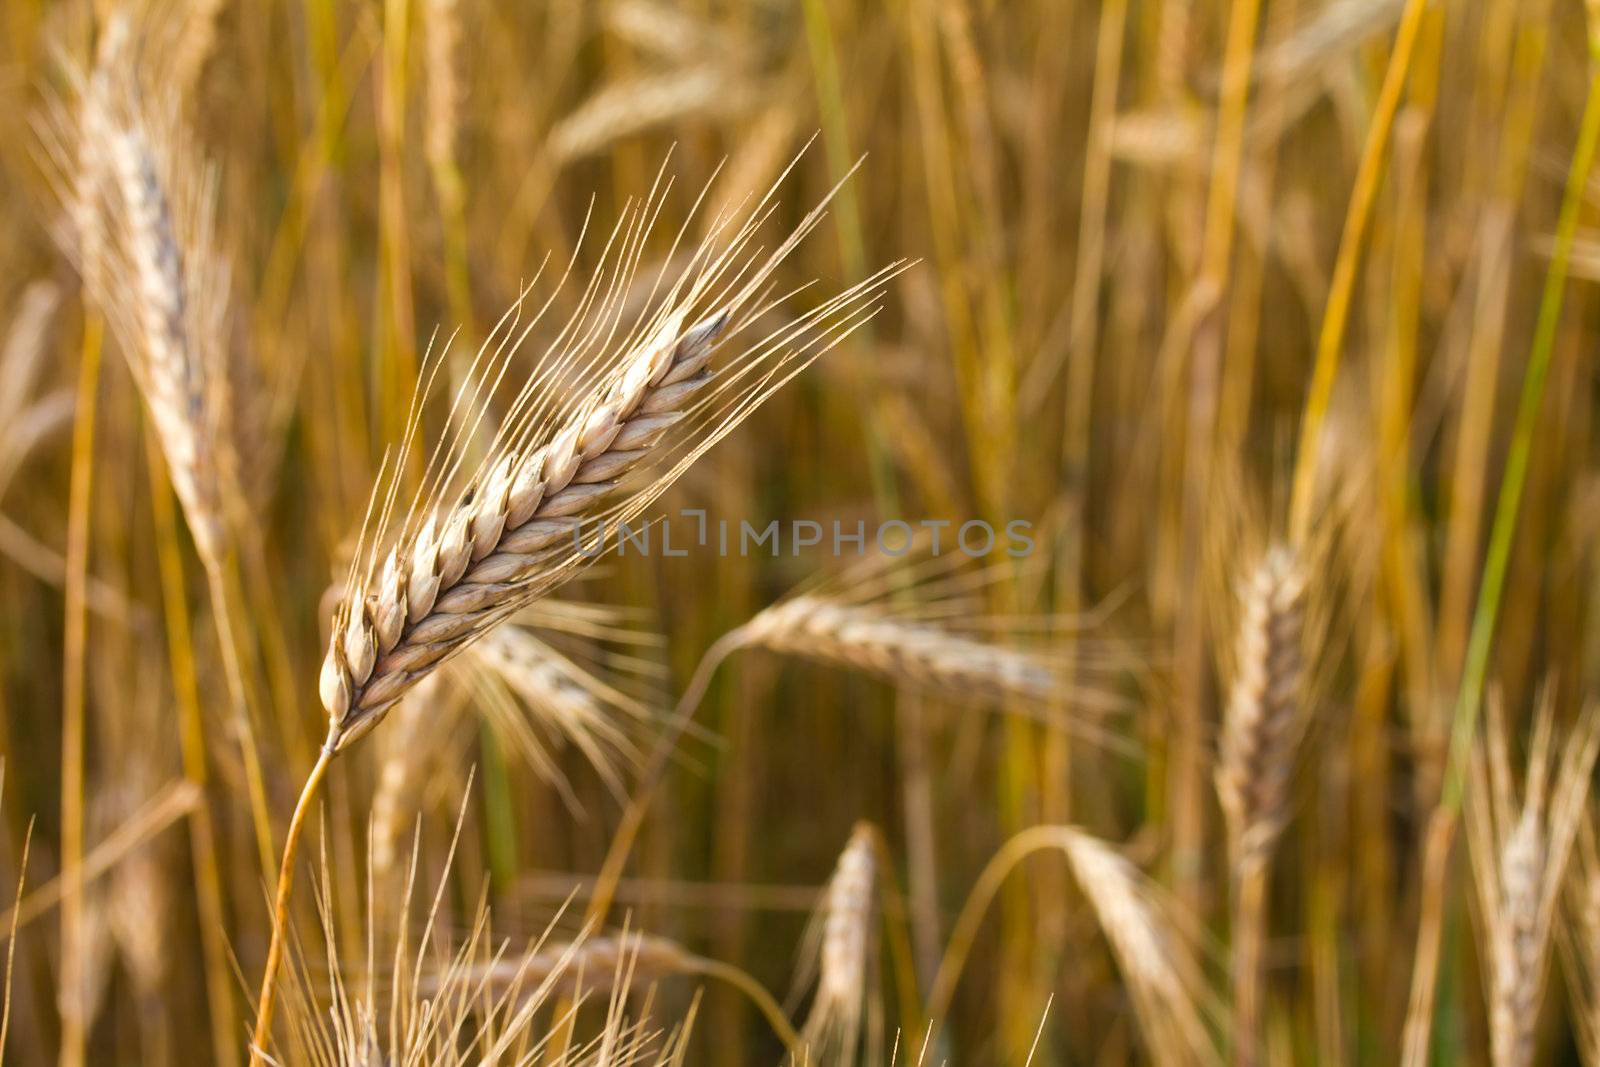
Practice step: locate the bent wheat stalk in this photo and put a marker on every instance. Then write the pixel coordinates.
(477, 543)
(1172, 996)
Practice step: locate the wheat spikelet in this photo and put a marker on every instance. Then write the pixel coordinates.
(174, 383)
(1520, 853)
(515, 531)
(1519, 948)
(1265, 718)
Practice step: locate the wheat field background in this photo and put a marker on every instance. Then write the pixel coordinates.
(799, 531)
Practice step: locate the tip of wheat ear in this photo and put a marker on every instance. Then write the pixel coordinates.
(468, 566)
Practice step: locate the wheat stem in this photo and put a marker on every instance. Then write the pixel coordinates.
(964, 934)
(605, 885)
(74, 1039)
(756, 993)
(11, 939)
(1416, 1038)
(280, 907)
(222, 607)
(192, 747)
(1249, 939)
(1330, 341)
(1529, 404)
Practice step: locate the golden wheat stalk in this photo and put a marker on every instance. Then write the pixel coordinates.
(479, 541)
(1154, 946)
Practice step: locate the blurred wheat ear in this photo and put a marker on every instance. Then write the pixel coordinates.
(1265, 713)
(1520, 853)
(140, 224)
(841, 954)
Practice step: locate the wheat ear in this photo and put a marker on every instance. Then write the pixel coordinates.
(876, 643)
(517, 530)
(142, 212)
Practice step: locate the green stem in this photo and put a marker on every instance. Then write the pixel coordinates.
(1518, 459)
